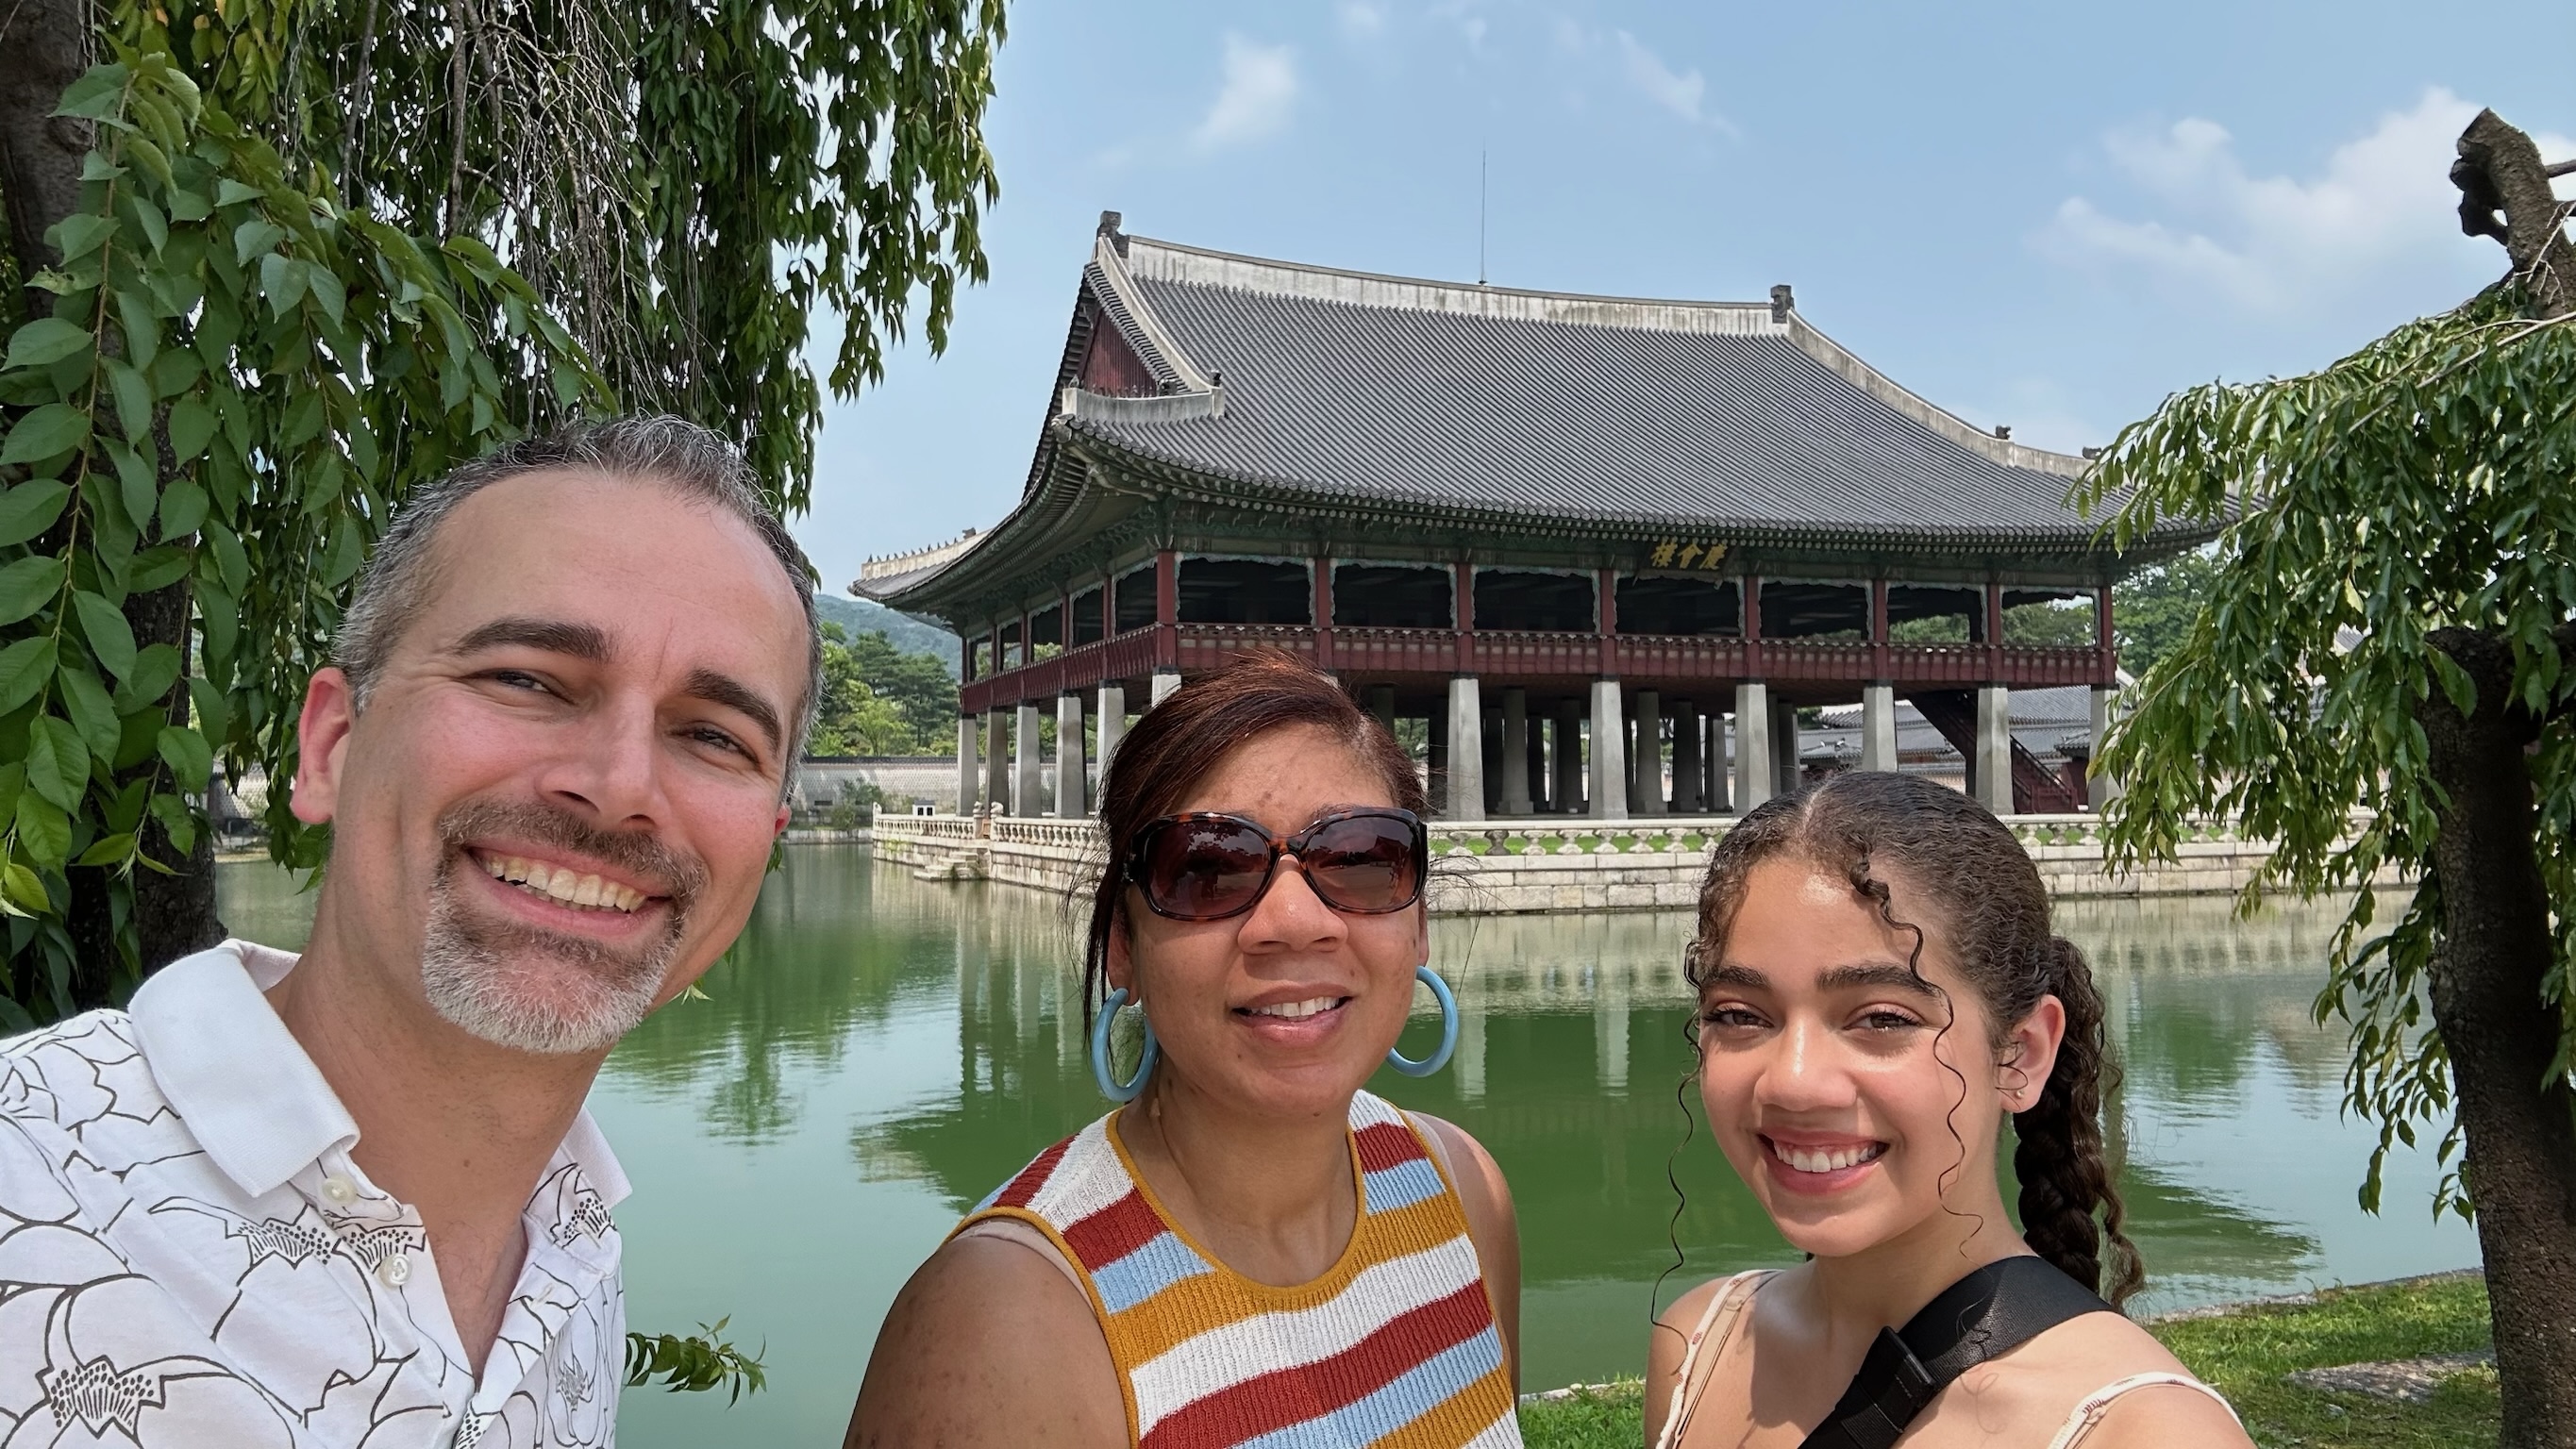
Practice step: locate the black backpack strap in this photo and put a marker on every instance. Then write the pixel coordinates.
(1987, 1314)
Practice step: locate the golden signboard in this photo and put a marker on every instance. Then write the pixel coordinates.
(1683, 554)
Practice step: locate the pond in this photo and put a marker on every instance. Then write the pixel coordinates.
(878, 1053)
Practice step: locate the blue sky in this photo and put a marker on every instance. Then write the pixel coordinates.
(2046, 215)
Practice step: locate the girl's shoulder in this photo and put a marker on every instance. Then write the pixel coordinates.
(2053, 1388)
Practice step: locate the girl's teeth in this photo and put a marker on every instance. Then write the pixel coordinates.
(1827, 1160)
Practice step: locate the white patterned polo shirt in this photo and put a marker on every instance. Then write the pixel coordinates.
(189, 1258)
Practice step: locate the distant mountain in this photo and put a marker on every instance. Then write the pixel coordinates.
(910, 635)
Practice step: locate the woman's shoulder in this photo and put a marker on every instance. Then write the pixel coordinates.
(952, 1362)
(2059, 1378)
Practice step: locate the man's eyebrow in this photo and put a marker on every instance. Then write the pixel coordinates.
(553, 636)
(733, 694)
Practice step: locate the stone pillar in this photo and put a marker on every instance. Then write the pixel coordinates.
(1028, 795)
(1072, 792)
(1784, 747)
(1165, 681)
(969, 729)
(1687, 798)
(997, 761)
(1495, 770)
(2100, 789)
(1609, 776)
(1381, 702)
(1753, 776)
(1713, 765)
(1113, 727)
(1518, 764)
(1568, 795)
(1878, 726)
(1649, 796)
(1466, 795)
(1994, 778)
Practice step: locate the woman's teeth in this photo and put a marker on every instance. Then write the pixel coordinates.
(582, 892)
(1827, 1159)
(1295, 1009)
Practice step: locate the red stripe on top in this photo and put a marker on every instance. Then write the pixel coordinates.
(1033, 1177)
(1282, 1397)
(1113, 1232)
(1384, 1145)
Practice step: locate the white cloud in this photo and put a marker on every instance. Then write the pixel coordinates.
(1684, 93)
(1358, 20)
(1259, 91)
(2383, 204)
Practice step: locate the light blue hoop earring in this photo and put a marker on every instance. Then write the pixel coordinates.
(1126, 1091)
(1448, 1029)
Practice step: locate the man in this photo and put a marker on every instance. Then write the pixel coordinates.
(353, 1197)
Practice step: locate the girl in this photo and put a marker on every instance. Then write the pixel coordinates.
(1879, 989)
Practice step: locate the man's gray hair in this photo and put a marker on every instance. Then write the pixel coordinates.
(665, 452)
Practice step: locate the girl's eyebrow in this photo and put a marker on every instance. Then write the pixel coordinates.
(1867, 974)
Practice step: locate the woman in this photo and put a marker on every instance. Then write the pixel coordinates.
(1879, 988)
(1252, 1246)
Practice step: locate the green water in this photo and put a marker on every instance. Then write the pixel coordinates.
(879, 1053)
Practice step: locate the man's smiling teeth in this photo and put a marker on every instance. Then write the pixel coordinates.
(1832, 1159)
(584, 892)
(1294, 1009)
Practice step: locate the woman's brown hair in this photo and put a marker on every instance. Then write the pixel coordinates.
(1971, 882)
(1180, 741)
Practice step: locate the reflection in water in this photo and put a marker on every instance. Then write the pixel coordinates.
(877, 1053)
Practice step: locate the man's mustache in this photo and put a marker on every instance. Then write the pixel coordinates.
(665, 871)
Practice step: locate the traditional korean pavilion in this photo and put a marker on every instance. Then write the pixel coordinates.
(1603, 546)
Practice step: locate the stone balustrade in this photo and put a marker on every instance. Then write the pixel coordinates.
(1509, 866)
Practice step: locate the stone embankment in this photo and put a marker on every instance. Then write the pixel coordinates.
(1510, 866)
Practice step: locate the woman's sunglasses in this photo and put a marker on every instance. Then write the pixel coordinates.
(1206, 866)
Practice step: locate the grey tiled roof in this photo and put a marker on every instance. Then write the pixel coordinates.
(1714, 417)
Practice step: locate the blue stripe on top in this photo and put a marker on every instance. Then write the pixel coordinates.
(1426, 1386)
(1163, 1261)
(1402, 1185)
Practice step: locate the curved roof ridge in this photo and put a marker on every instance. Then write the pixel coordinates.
(1143, 329)
(1166, 261)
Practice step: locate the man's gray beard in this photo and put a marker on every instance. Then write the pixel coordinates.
(477, 976)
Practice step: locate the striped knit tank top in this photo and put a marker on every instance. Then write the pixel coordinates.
(1394, 1346)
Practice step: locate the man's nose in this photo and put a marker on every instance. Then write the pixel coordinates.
(611, 763)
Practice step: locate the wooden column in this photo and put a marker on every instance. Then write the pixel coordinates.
(1108, 605)
(2104, 643)
(1606, 614)
(1167, 610)
(1994, 631)
(1323, 566)
(1462, 615)
(1753, 626)
(1878, 664)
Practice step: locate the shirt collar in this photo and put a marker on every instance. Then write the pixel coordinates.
(249, 1094)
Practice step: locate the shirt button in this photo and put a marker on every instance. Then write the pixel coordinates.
(394, 1270)
(339, 1189)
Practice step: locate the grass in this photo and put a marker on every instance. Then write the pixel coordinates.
(2246, 1354)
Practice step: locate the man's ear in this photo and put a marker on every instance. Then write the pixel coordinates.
(2030, 1054)
(322, 741)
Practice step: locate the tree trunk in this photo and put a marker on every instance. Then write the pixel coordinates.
(44, 47)
(2519, 1122)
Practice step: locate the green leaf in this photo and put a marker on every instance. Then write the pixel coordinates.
(24, 890)
(256, 237)
(183, 507)
(177, 820)
(28, 585)
(107, 850)
(31, 508)
(47, 432)
(281, 280)
(24, 668)
(80, 234)
(97, 94)
(214, 712)
(110, 637)
(57, 762)
(189, 758)
(156, 668)
(158, 568)
(192, 426)
(92, 711)
(133, 397)
(44, 831)
(46, 340)
(137, 488)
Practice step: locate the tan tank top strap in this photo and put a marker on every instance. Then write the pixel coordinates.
(1707, 1344)
(2098, 1403)
(1013, 1230)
